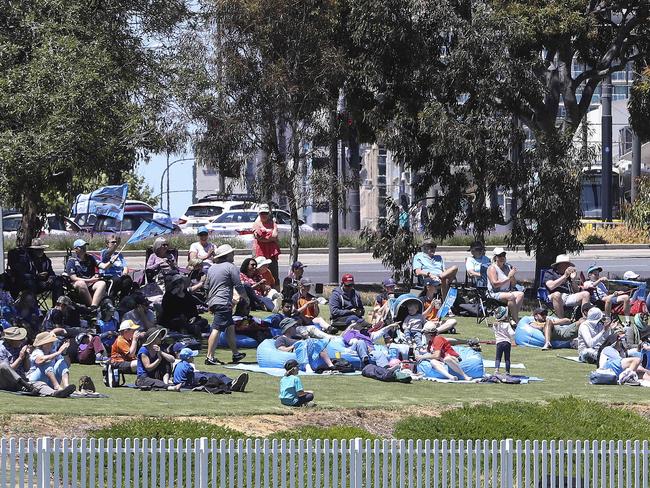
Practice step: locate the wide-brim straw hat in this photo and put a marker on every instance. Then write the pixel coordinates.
(44, 338)
(153, 335)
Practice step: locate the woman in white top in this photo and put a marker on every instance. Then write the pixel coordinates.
(204, 249)
(502, 281)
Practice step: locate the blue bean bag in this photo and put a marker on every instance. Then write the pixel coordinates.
(336, 348)
(471, 361)
(529, 336)
(270, 357)
(243, 341)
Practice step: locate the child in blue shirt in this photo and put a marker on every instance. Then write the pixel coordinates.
(186, 374)
(292, 392)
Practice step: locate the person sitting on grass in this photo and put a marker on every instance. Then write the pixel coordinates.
(440, 353)
(125, 347)
(28, 314)
(287, 341)
(431, 302)
(306, 309)
(554, 329)
(591, 334)
(291, 283)
(612, 354)
(345, 302)
(428, 264)
(563, 292)
(504, 338)
(185, 373)
(292, 393)
(249, 276)
(155, 366)
(49, 365)
(179, 309)
(600, 295)
(90, 349)
(108, 323)
(141, 313)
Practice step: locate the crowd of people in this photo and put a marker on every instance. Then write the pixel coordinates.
(150, 324)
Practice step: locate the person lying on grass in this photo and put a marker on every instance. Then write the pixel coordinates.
(440, 354)
(613, 355)
(292, 393)
(185, 373)
(554, 329)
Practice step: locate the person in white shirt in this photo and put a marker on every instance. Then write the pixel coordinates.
(203, 249)
(502, 283)
(503, 337)
(591, 334)
(601, 295)
(477, 264)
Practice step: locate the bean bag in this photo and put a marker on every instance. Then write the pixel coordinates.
(243, 341)
(336, 349)
(529, 336)
(270, 357)
(471, 361)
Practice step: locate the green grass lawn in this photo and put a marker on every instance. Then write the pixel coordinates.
(561, 378)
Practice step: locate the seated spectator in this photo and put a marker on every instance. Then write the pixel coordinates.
(382, 301)
(555, 329)
(43, 278)
(155, 366)
(113, 266)
(591, 334)
(63, 317)
(291, 284)
(502, 283)
(306, 307)
(49, 365)
(179, 310)
(292, 393)
(90, 349)
(108, 323)
(563, 292)
(196, 275)
(600, 295)
(431, 302)
(613, 355)
(203, 249)
(7, 304)
(477, 265)
(287, 341)
(123, 352)
(161, 261)
(439, 353)
(141, 314)
(186, 374)
(428, 264)
(15, 363)
(413, 323)
(251, 279)
(82, 270)
(358, 337)
(28, 314)
(266, 274)
(345, 302)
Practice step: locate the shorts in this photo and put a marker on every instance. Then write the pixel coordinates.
(222, 318)
(565, 332)
(615, 365)
(571, 300)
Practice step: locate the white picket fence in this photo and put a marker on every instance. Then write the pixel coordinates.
(355, 463)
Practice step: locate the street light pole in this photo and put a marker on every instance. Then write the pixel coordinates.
(162, 178)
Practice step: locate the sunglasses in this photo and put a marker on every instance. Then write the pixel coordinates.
(254, 265)
(164, 245)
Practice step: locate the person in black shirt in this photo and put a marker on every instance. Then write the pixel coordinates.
(179, 310)
(43, 277)
(563, 292)
(82, 270)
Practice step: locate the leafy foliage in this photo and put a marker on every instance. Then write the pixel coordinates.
(165, 428)
(637, 215)
(639, 105)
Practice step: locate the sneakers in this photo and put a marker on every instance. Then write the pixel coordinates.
(27, 388)
(102, 359)
(213, 362)
(240, 383)
(65, 392)
(238, 357)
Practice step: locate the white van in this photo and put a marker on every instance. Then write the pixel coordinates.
(202, 213)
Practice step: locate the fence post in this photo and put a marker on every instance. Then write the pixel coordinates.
(43, 459)
(509, 462)
(204, 462)
(356, 463)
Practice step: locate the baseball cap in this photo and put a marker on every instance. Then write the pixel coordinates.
(498, 251)
(347, 279)
(79, 243)
(630, 275)
(202, 230)
(128, 325)
(389, 282)
(264, 208)
(140, 299)
(305, 282)
(187, 353)
(297, 265)
(594, 269)
(178, 347)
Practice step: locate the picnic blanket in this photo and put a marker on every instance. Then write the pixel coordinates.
(575, 359)
(489, 363)
(76, 394)
(279, 372)
(524, 380)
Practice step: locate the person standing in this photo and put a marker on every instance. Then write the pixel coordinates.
(222, 278)
(265, 232)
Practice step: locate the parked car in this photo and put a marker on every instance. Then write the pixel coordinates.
(202, 213)
(54, 225)
(135, 212)
(238, 223)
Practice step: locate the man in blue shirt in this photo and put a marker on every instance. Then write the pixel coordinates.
(82, 270)
(428, 264)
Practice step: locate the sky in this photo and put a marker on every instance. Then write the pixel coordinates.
(180, 180)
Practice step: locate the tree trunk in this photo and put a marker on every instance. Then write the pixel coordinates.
(294, 181)
(30, 224)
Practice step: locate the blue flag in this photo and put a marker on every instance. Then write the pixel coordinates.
(107, 200)
(148, 229)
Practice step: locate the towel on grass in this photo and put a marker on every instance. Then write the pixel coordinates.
(524, 380)
(489, 363)
(575, 359)
(279, 372)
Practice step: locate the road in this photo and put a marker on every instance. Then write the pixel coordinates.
(367, 270)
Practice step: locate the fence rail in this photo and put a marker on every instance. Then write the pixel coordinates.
(355, 463)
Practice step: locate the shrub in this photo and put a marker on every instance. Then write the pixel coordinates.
(165, 428)
(620, 234)
(315, 432)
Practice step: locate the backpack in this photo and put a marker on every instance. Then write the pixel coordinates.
(343, 365)
(112, 377)
(603, 377)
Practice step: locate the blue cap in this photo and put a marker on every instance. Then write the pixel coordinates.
(297, 265)
(187, 353)
(202, 230)
(79, 243)
(594, 268)
(389, 282)
(178, 347)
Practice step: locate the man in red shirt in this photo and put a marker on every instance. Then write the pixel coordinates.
(442, 356)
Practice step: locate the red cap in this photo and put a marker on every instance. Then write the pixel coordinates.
(347, 278)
